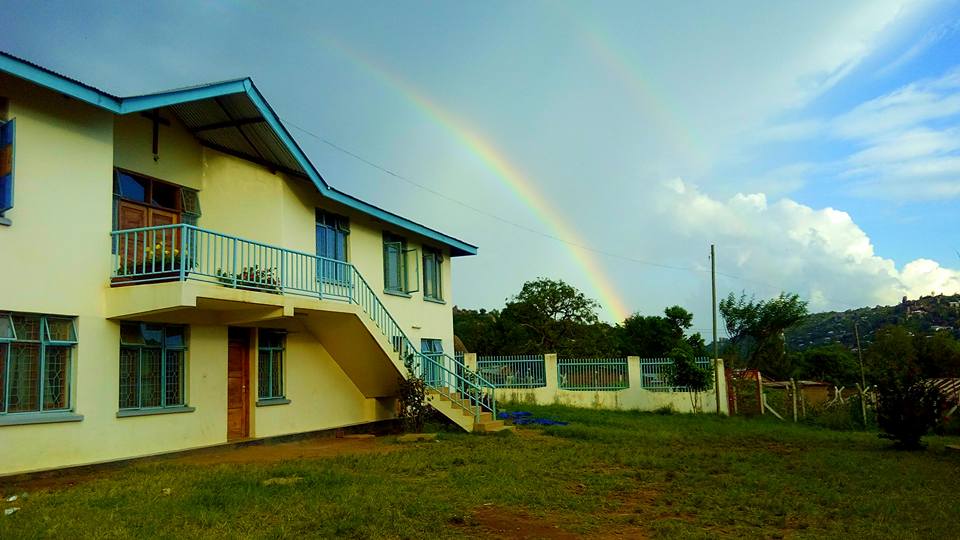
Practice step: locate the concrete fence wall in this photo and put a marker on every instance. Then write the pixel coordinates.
(634, 397)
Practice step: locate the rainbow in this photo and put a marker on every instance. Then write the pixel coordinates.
(504, 171)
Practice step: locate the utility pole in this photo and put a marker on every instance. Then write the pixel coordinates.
(713, 307)
(863, 379)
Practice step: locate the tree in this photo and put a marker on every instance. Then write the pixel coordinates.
(550, 316)
(834, 363)
(756, 329)
(908, 406)
(655, 336)
(939, 355)
(685, 372)
(479, 330)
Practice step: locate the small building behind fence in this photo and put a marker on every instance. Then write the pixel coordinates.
(630, 383)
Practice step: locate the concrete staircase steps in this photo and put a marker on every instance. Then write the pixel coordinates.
(459, 410)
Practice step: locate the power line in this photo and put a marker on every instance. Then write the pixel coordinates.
(486, 213)
(526, 228)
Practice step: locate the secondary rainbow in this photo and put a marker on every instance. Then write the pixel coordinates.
(505, 172)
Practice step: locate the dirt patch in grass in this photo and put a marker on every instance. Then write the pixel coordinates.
(316, 448)
(500, 522)
(312, 448)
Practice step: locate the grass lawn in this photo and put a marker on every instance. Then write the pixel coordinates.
(606, 474)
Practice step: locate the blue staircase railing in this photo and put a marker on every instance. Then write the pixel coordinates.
(185, 252)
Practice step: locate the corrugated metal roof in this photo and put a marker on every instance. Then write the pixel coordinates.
(233, 124)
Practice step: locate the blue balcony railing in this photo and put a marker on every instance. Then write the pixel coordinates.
(185, 252)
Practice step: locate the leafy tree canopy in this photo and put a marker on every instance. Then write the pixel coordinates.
(756, 330)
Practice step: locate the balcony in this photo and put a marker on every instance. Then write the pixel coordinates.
(188, 275)
(184, 252)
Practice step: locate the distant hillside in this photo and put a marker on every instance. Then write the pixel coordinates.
(925, 315)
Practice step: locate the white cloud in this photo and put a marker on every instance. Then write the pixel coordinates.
(820, 253)
(904, 108)
(926, 41)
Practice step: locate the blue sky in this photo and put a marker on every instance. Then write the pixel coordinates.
(816, 143)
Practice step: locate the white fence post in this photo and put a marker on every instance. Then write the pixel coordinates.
(634, 373)
(550, 372)
(470, 361)
(723, 402)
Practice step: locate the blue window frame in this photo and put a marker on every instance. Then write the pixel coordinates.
(7, 151)
(332, 232)
(36, 363)
(152, 366)
(399, 263)
(270, 348)
(394, 267)
(433, 349)
(432, 275)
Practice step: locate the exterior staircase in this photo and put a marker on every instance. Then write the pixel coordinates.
(459, 393)
(452, 389)
(458, 409)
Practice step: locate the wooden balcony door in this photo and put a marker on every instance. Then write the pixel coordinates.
(131, 215)
(238, 384)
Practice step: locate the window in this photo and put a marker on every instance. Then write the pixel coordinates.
(141, 201)
(152, 366)
(270, 346)
(432, 282)
(332, 231)
(432, 349)
(36, 362)
(394, 271)
(396, 265)
(7, 147)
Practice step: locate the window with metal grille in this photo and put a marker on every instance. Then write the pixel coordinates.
(36, 355)
(152, 366)
(432, 283)
(270, 348)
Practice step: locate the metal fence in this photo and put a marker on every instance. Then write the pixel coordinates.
(517, 371)
(593, 374)
(655, 374)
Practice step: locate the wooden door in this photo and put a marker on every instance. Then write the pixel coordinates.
(132, 246)
(238, 384)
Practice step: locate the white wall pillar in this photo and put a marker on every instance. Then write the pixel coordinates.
(721, 386)
(550, 371)
(470, 361)
(634, 375)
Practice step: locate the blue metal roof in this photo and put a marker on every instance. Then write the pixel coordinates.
(231, 116)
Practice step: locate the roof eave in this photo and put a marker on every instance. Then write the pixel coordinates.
(89, 94)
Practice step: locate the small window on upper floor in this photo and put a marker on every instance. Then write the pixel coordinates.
(432, 275)
(7, 150)
(400, 266)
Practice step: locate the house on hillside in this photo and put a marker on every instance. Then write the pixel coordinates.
(179, 275)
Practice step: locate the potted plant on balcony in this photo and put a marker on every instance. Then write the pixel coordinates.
(156, 264)
(252, 278)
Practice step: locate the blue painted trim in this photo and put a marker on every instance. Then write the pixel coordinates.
(458, 247)
(22, 419)
(125, 413)
(55, 81)
(272, 401)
